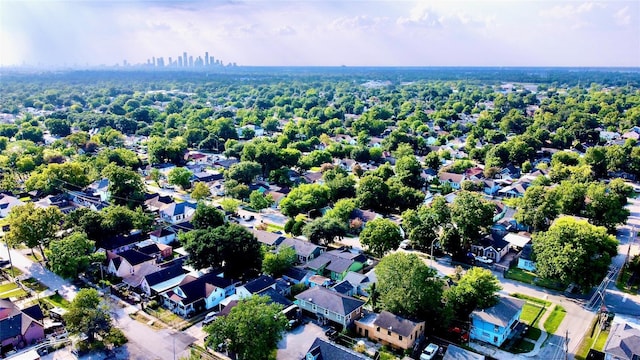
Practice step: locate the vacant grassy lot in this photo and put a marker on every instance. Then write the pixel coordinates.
(555, 319)
(531, 313)
(531, 278)
(594, 338)
(56, 301)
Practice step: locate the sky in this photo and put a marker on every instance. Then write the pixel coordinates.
(322, 33)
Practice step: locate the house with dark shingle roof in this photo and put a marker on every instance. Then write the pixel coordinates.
(337, 263)
(177, 212)
(390, 329)
(194, 295)
(268, 238)
(255, 286)
(297, 275)
(163, 235)
(305, 250)
(328, 305)
(162, 280)
(19, 328)
(324, 350)
(496, 324)
(623, 342)
(129, 263)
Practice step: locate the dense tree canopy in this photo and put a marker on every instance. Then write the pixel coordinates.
(477, 289)
(574, 251)
(381, 235)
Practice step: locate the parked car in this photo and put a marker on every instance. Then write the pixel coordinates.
(484, 260)
(293, 323)
(405, 244)
(208, 319)
(429, 352)
(331, 333)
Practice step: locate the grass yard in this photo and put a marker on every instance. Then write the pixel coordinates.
(555, 319)
(12, 271)
(15, 293)
(600, 337)
(34, 285)
(531, 313)
(57, 301)
(8, 286)
(531, 299)
(529, 277)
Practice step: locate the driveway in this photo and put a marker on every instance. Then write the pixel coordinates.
(295, 343)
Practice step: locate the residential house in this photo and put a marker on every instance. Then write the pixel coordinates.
(194, 295)
(328, 305)
(196, 157)
(163, 168)
(516, 189)
(128, 263)
(177, 212)
(163, 235)
(155, 202)
(225, 163)
(324, 350)
(361, 282)
(19, 328)
(319, 280)
(525, 258)
(268, 238)
(623, 342)
(428, 174)
(8, 202)
(337, 263)
(344, 287)
(206, 177)
(491, 187)
(454, 180)
(156, 250)
(275, 297)
(122, 242)
(498, 323)
(305, 250)
(162, 280)
(519, 240)
(297, 275)
(390, 329)
(491, 247)
(255, 286)
(457, 353)
(100, 188)
(474, 173)
(313, 177)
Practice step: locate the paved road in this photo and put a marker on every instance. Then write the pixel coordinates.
(144, 342)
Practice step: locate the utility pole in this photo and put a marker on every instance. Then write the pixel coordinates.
(566, 345)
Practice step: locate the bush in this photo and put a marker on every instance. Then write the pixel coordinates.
(116, 337)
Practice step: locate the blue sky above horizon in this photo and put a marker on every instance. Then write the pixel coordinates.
(323, 33)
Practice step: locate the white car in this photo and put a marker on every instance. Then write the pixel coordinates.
(208, 319)
(429, 352)
(484, 260)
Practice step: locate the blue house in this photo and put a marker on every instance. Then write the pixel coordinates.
(498, 323)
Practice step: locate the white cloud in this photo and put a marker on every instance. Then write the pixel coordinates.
(622, 16)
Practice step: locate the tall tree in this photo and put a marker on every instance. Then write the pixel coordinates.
(229, 246)
(408, 287)
(381, 235)
(243, 172)
(125, 186)
(72, 255)
(324, 230)
(276, 263)
(574, 251)
(537, 208)
(477, 289)
(259, 201)
(180, 176)
(251, 330)
(207, 216)
(33, 226)
(54, 177)
(200, 191)
(472, 215)
(305, 198)
(88, 314)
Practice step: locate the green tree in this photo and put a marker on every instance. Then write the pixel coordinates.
(341, 185)
(243, 172)
(408, 170)
(72, 255)
(180, 176)
(372, 193)
(324, 230)
(342, 209)
(259, 201)
(53, 177)
(305, 198)
(125, 186)
(276, 263)
(472, 215)
(88, 314)
(200, 191)
(230, 246)
(230, 205)
(605, 207)
(408, 287)
(574, 251)
(207, 216)
(537, 208)
(33, 226)
(381, 235)
(251, 330)
(477, 289)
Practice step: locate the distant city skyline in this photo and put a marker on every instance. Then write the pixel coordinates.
(321, 33)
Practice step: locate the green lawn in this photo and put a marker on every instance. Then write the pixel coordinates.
(17, 293)
(588, 340)
(531, 313)
(555, 319)
(531, 299)
(7, 287)
(57, 301)
(529, 277)
(12, 271)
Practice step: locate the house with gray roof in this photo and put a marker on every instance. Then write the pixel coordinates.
(324, 350)
(330, 306)
(623, 343)
(337, 263)
(496, 324)
(305, 250)
(19, 328)
(390, 329)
